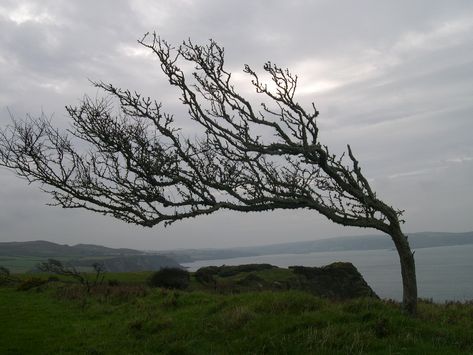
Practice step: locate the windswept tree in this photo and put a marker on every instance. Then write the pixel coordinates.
(57, 267)
(140, 168)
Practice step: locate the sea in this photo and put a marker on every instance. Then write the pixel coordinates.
(443, 273)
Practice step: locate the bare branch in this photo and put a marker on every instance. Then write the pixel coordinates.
(133, 163)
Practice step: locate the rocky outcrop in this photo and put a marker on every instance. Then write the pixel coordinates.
(340, 280)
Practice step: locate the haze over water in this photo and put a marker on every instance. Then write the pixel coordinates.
(443, 273)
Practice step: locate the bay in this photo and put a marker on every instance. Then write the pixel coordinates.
(443, 273)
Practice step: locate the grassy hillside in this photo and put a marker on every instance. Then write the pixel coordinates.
(130, 318)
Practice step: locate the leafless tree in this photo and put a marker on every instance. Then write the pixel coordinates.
(142, 169)
(57, 267)
(100, 270)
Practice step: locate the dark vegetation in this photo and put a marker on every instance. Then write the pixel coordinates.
(171, 278)
(31, 282)
(255, 309)
(5, 277)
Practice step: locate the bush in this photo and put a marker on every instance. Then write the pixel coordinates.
(172, 278)
(205, 275)
(5, 277)
(113, 283)
(4, 272)
(30, 283)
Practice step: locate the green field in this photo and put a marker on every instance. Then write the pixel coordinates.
(131, 318)
(19, 264)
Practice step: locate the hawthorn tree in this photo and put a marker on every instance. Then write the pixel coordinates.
(57, 267)
(140, 168)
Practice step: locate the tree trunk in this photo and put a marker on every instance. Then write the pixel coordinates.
(408, 271)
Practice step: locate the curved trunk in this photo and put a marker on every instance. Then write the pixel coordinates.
(408, 271)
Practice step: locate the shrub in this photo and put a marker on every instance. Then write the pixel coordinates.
(30, 283)
(172, 278)
(113, 283)
(5, 277)
(205, 275)
(53, 279)
(4, 272)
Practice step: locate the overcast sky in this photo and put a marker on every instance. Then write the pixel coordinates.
(392, 78)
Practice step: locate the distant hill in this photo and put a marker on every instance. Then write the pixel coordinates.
(23, 256)
(366, 242)
(117, 260)
(42, 248)
(130, 263)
